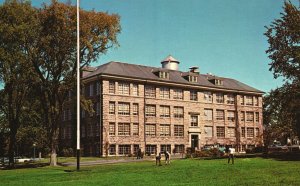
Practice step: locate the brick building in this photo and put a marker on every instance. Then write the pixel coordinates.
(159, 109)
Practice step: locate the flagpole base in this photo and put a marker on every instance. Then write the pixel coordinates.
(78, 159)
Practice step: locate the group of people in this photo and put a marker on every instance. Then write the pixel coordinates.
(167, 158)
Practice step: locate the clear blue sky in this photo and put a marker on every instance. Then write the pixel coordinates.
(222, 37)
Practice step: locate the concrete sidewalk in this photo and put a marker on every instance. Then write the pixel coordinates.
(115, 161)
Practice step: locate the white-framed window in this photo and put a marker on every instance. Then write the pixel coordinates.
(165, 130)
(112, 149)
(135, 89)
(208, 130)
(164, 75)
(150, 130)
(220, 132)
(255, 100)
(164, 93)
(231, 132)
(165, 148)
(219, 97)
(150, 110)
(194, 121)
(208, 114)
(243, 133)
(135, 129)
(150, 91)
(124, 129)
(193, 95)
(123, 88)
(178, 112)
(230, 99)
(124, 149)
(112, 87)
(256, 117)
(193, 79)
(112, 106)
(231, 116)
(123, 109)
(135, 109)
(178, 94)
(220, 115)
(179, 130)
(242, 115)
(250, 132)
(164, 111)
(249, 116)
(112, 129)
(150, 149)
(179, 148)
(242, 100)
(249, 100)
(207, 97)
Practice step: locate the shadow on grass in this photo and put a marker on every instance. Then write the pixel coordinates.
(25, 166)
(283, 156)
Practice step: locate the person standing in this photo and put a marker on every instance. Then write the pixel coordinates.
(231, 155)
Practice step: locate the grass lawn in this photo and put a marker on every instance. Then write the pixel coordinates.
(247, 171)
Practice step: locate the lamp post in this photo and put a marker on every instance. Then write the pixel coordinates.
(34, 145)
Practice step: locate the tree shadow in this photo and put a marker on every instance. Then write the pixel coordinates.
(24, 166)
(283, 156)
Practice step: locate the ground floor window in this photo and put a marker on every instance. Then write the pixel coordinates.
(250, 132)
(165, 148)
(112, 149)
(124, 149)
(150, 149)
(179, 148)
(221, 132)
(135, 148)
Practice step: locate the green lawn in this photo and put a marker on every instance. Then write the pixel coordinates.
(247, 171)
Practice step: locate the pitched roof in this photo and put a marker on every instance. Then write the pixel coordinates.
(146, 73)
(170, 58)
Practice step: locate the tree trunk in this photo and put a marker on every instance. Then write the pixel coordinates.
(11, 149)
(53, 158)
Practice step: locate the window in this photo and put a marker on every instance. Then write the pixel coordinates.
(193, 79)
(177, 94)
(220, 97)
(112, 129)
(231, 116)
(249, 100)
(179, 148)
(208, 97)
(135, 149)
(69, 114)
(135, 90)
(165, 148)
(193, 95)
(255, 100)
(112, 149)
(150, 149)
(164, 75)
(257, 132)
(124, 109)
(230, 99)
(91, 89)
(90, 130)
(231, 132)
(135, 109)
(164, 111)
(124, 129)
(242, 100)
(82, 131)
(178, 130)
(165, 130)
(68, 132)
(208, 113)
(111, 88)
(164, 92)
(218, 82)
(135, 129)
(194, 120)
(242, 115)
(98, 88)
(111, 108)
(150, 110)
(123, 88)
(250, 132)
(150, 130)
(178, 112)
(220, 115)
(221, 132)
(208, 130)
(243, 132)
(249, 116)
(124, 149)
(257, 117)
(150, 91)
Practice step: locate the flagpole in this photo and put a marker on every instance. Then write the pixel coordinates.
(78, 91)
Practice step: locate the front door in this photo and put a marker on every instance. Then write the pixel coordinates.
(195, 142)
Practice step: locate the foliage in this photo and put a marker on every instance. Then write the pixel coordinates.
(245, 171)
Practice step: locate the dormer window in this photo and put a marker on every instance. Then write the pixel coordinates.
(218, 82)
(164, 75)
(193, 79)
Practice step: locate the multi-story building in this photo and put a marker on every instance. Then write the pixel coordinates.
(158, 109)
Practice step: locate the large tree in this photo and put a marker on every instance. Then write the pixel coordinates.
(282, 106)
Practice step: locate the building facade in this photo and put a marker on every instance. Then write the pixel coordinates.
(158, 109)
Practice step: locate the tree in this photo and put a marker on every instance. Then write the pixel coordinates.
(53, 55)
(282, 106)
(16, 20)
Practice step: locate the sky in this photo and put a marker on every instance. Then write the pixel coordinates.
(221, 37)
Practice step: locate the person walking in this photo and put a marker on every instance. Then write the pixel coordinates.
(231, 155)
(167, 156)
(158, 158)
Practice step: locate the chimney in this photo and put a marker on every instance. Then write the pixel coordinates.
(194, 69)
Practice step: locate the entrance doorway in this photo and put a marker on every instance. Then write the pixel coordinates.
(194, 142)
